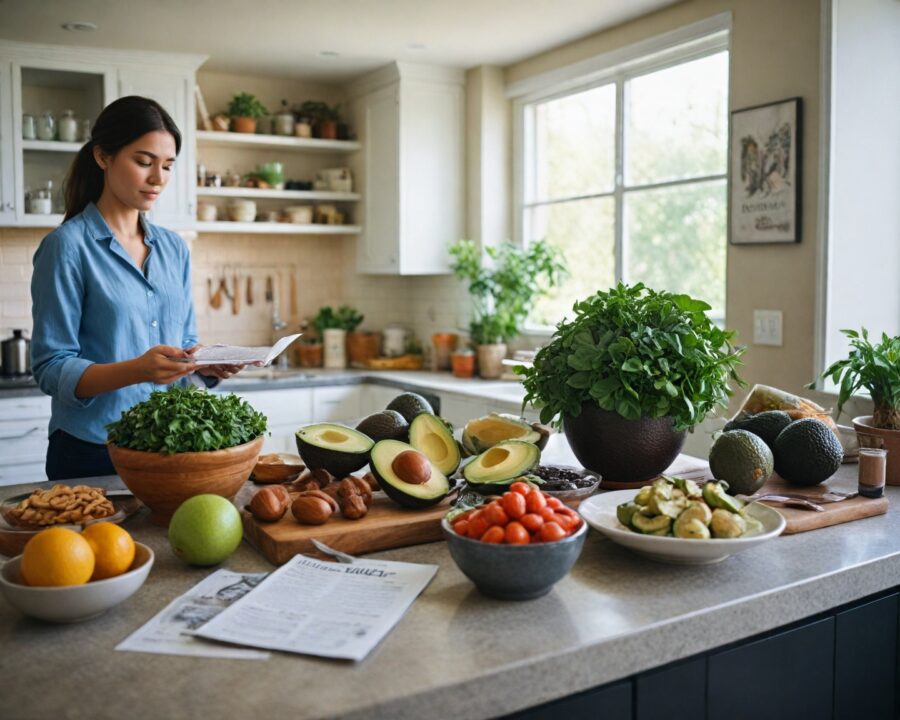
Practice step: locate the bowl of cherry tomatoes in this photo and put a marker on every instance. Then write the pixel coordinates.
(518, 545)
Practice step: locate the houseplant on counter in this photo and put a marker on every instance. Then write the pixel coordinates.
(629, 375)
(875, 367)
(183, 442)
(332, 326)
(504, 283)
(244, 110)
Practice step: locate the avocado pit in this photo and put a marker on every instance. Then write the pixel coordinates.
(412, 467)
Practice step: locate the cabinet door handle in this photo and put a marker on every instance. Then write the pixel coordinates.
(19, 437)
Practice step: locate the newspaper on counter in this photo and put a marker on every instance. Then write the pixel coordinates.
(166, 632)
(238, 354)
(334, 610)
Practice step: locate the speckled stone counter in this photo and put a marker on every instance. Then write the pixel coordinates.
(455, 654)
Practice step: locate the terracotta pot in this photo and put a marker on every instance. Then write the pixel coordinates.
(874, 437)
(327, 129)
(444, 345)
(309, 355)
(243, 124)
(362, 346)
(490, 360)
(620, 450)
(463, 364)
(163, 482)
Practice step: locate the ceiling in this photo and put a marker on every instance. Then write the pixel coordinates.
(286, 38)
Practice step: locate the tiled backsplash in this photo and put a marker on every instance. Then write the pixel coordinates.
(324, 272)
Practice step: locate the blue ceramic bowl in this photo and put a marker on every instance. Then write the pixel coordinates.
(514, 572)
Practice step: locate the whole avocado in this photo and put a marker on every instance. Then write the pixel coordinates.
(410, 404)
(767, 425)
(807, 452)
(385, 425)
(741, 459)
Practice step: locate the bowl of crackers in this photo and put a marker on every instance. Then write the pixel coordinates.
(75, 506)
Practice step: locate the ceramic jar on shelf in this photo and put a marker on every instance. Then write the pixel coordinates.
(68, 127)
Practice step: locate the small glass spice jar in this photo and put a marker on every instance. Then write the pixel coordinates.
(46, 126)
(872, 470)
(29, 131)
(68, 127)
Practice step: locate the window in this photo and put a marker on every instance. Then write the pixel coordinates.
(627, 176)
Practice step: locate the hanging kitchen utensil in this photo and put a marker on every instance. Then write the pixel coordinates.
(249, 290)
(294, 312)
(215, 301)
(236, 298)
(270, 290)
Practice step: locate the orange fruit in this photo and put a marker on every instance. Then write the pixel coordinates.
(113, 549)
(55, 557)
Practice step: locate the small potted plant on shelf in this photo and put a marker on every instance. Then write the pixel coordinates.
(504, 290)
(309, 348)
(332, 326)
(875, 367)
(629, 375)
(325, 118)
(244, 110)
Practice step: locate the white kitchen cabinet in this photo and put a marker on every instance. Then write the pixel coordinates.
(339, 403)
(459, 409)
(286, 410)
(375, 398)
(23, 439)
(411, 123)
(7, 175)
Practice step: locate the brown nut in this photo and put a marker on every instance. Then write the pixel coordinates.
(304, 482)
(354, 486)
(323, 496)
(353, 507)
(412, 467)
(269, 504)
(310, 510)
(322, 477)
(371, 481)
(331, 490)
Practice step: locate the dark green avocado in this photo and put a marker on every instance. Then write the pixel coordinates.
(807, 452)
(338, 449)
(406, 494)
(410, 404)
(385, 425)
(742, 459)
(766, 425)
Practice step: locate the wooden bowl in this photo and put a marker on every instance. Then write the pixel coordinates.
(163, 482)
(277, 468)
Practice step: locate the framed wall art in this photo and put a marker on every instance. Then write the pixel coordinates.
(764, 178)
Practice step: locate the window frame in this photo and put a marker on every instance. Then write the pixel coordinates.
(692, 42)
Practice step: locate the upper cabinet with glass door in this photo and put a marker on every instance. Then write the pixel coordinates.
(49, 98)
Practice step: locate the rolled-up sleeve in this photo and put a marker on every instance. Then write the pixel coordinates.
(189, 334)
(57, 291)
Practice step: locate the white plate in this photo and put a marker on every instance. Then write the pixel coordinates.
(599, 512)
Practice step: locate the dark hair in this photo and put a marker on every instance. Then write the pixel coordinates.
(119, 124)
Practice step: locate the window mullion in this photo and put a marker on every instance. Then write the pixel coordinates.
(620, 179)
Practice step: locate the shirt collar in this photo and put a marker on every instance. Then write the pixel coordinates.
(100, 230)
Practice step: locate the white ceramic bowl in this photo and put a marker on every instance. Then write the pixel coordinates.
(74, 603)
(599, 512)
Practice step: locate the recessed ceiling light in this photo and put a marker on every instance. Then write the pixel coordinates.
(328, 53)
(79, 26)
(417, 46)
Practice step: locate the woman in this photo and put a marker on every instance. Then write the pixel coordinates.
(111, 293)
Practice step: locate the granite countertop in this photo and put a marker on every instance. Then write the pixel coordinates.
(456, 652)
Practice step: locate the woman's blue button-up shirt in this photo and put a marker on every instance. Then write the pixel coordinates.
(92, 304)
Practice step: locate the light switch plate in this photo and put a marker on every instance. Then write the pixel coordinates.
(767, 327)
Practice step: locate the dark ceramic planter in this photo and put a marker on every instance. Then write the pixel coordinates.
(620, 450)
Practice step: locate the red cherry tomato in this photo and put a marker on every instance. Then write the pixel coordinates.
(553, 502)
(520, 487)
(516, 534)
(495, 514)
(514, 504)
(460, 527)
(551, 532)
(535, 501)
(493, 534)
(548, 514)
(532, 522)
(478, 525)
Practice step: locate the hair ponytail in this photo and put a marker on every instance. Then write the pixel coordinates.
(121, 123)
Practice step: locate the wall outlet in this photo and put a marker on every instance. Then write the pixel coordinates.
(767, 326)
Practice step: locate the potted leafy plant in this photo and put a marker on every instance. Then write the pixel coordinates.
(182, 442)
(244, 110)
(629, 375)
(332, 326)
(325, 118)
(875, 367)
(504, 290)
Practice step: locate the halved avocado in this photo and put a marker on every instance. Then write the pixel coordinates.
(483, 433)
(496, 468)
(430, 435)
(338, 449)
(403, 493)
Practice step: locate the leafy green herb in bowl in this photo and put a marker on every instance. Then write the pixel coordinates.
(184, 442)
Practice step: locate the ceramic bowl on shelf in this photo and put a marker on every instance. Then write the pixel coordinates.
(242, 211)
(74, 603)
(514, 572)
(600, 513)
(299, 214)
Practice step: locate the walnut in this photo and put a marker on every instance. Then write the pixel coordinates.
(351, 485)
(353, 507)
(371, 481)
(270, 503)
(322, 477)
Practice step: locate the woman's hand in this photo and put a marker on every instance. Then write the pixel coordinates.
(223, 372)
(158, 366)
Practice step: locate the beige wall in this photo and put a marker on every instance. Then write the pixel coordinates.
(775, 55)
